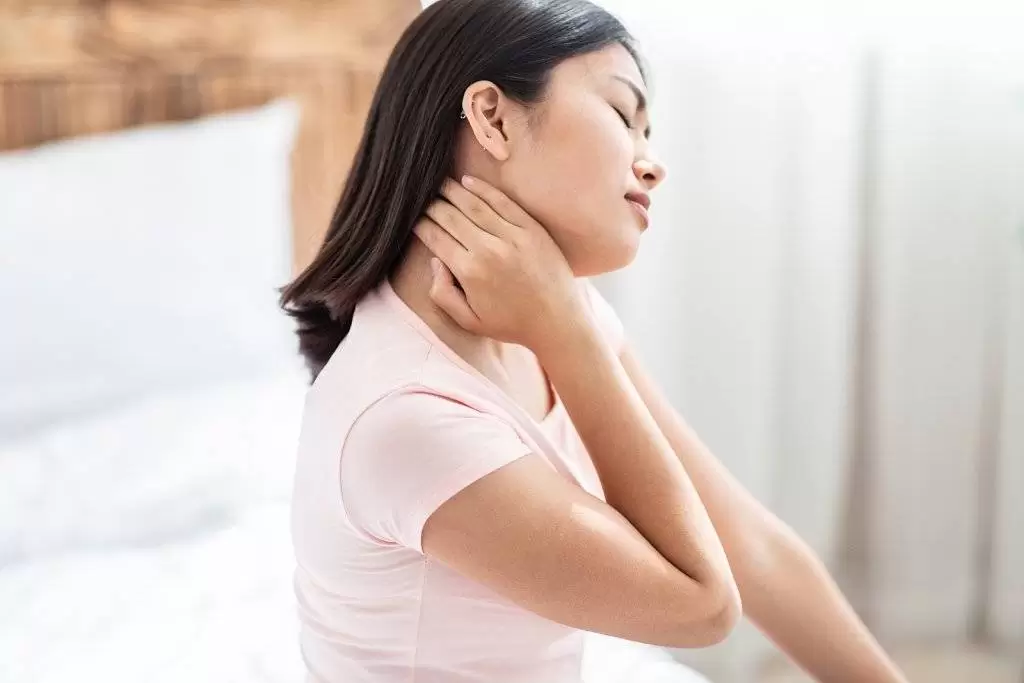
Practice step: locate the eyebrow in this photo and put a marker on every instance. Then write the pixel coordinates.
(641, 99)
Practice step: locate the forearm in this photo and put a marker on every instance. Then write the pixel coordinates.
(792, 598)
(639, 472)
(785, 589)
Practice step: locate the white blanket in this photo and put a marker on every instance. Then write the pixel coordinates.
(217, 608)
(152, 544)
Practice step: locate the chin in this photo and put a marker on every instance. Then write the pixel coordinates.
(628, 248)
(626, 258)
(599, 264)
(612, 248)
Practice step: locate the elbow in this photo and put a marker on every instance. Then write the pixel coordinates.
(722, 613)
(728, 615)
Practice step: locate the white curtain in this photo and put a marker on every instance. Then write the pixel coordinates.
(743, 298)
(1006, 591)
(943, 421)
(832, 293)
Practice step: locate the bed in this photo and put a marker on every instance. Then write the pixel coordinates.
(163, 168)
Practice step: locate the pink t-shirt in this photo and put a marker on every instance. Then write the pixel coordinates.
(396, 424)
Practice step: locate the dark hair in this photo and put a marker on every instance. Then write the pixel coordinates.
(407, 144)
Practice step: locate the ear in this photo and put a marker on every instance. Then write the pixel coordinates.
(492, 117)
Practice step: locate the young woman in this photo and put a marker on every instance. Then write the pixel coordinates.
(485, 470)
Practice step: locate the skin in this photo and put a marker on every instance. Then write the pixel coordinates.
(574, 145)
(553, 208)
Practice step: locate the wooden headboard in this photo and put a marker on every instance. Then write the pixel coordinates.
(72, 67)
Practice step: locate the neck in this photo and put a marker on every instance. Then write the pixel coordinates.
(411, 281)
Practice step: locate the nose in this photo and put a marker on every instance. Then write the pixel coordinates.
(650, 172)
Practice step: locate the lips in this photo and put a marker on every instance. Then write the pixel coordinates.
(640, 198)
(641, 211)
(640, 203)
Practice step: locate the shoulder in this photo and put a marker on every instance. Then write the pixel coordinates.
(412, 450)
(417, 416)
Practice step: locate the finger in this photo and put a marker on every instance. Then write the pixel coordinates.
(441, 244)
(505, 207)
(450, 298)
(458, 225)
(475, 209)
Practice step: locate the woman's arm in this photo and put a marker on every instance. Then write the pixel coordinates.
(517, 287)
(537, 538)
(786, 590)
(798, 605)
(639, 472)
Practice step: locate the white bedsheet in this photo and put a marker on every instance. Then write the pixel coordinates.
(152, 544)
(214, 609)
(217, 608)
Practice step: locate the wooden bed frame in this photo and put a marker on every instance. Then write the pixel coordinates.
(74, 67)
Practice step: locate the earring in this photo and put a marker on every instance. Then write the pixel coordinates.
(462, 115)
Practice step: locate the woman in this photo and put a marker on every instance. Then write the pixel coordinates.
(485, 470)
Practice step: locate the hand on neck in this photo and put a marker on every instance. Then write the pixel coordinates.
(411, 281)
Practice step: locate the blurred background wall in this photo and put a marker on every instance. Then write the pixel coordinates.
(833, 292)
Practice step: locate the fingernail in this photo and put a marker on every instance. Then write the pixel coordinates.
(467, 180)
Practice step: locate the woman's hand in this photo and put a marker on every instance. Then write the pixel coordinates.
(516, 285)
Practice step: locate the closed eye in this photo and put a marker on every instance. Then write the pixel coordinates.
(624, 119)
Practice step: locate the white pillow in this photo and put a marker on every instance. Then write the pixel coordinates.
(143, 258)
(163, 467)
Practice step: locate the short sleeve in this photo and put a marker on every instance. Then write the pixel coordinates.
(409, 453)
(607, 319)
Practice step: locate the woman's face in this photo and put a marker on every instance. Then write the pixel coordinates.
(574, 160)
